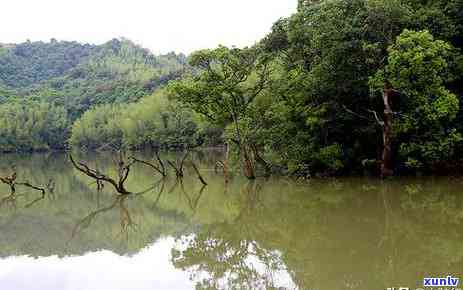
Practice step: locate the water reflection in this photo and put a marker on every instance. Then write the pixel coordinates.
(177, 234)
(149, 269)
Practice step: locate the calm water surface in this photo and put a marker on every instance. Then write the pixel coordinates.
(333, 234)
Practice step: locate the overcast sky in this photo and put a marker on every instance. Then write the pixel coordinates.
(160, 25)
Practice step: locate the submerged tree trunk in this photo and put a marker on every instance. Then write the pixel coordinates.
(386, 166)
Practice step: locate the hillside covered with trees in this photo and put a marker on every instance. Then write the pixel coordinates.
(339, 87)
(46, 86)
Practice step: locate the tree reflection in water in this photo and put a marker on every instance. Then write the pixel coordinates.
(218, 257)
(216, 263)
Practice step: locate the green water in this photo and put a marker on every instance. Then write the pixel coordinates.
(277, 233)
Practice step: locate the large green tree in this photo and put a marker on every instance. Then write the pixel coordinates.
(418, 71)
(223, 87)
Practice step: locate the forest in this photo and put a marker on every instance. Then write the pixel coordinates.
(339, 87)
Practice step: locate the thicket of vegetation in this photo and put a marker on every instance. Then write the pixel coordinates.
(153, 122)
(341, 86)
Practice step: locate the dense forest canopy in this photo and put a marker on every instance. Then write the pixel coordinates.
(353, 86)
(340, 86)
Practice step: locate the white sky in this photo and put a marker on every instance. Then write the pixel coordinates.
(160, 25)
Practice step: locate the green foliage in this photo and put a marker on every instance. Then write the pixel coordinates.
(418, 67)
(118, 72)
(224, 84)
(75, 78)
(307, 98)
(223, 88)
(30, 63)
(97, 125)
(320, 99)
(154, 121)
(32, 126)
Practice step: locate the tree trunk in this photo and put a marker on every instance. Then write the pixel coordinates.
(386, 166)
(248, 167)
(261, 161)
(247, 162)
(225, 162)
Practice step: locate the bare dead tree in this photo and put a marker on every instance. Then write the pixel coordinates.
(123, 168)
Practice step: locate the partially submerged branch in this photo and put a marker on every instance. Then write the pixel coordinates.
(27, 184)
(119, 185)
(12, 183)
(160, 170)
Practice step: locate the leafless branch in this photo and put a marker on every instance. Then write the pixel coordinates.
(354, 113)
(375, 114)
(123, 170)
(152, 165)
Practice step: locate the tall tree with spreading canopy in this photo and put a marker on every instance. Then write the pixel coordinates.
(222, 87)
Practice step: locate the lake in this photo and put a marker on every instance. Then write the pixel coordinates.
(271, 233)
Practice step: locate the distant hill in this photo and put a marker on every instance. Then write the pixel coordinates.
(29, 63)
(46, 86)
(79, 76)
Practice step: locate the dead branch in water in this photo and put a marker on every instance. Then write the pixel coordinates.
(152, 165)
(12, 183)
(123, 172)
(27, 184)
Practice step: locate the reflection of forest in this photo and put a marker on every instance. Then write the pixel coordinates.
(327, 234)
